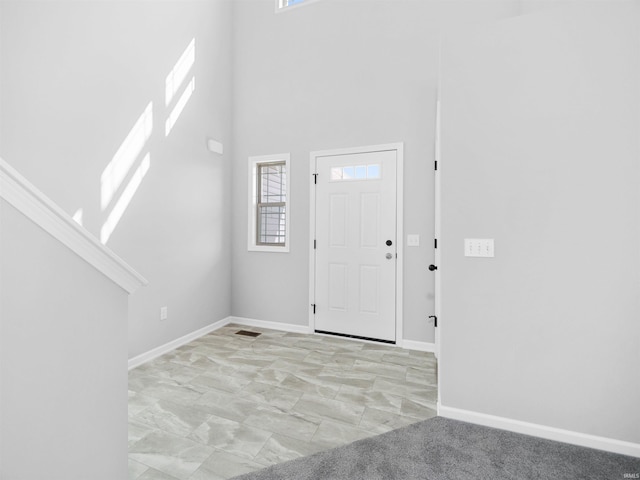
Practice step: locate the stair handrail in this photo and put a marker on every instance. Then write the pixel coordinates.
(44, 212)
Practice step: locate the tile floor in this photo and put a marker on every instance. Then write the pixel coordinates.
(227, 404)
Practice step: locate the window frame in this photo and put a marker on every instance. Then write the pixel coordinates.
(253, 192)
(280, 8)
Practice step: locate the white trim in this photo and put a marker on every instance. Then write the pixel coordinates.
(27, 199)
(168, 347)
(437, 257)
(399, 149)
(400, 242)
(542, 431)
(283, 327)
(420, 346)
(252, 245)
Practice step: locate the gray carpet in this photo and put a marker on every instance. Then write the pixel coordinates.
(440, 448)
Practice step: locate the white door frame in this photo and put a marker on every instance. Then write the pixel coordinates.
(399, 149)
(437, 233)
(437, 254)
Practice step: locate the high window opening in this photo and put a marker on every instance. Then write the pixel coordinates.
(282, 5)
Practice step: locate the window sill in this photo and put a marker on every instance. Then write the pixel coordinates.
(267, 248)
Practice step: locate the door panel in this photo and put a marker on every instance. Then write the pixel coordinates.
(355, 217)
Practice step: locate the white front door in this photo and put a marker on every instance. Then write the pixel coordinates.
(356, 245)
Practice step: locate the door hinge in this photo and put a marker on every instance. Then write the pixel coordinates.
(315, 178)
(314, 244)
(435, 320)
(435, 243)
(314, 308)
(436, 165)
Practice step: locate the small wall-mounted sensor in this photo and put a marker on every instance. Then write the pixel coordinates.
(215, 147)
(163, 313)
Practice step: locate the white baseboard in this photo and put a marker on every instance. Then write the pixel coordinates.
(167, 347)
(542, 431)
(420, 346)
(285, 327)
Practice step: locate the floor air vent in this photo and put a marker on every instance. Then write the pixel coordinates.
(247, 333)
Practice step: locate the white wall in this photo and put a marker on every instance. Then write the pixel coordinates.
(63, 360)
(75, 78)
(328, 75)
(541, 123)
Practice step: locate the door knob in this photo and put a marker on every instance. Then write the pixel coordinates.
(432, 267)
(389, 256)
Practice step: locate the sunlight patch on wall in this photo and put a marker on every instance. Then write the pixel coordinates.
(77, 217)
(125, 157)
(123, 202)
(174, 82)
(179, 72)
(180, 104)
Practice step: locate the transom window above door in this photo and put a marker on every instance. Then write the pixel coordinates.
(358, 172)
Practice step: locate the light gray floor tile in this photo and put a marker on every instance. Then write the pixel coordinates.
(379, 421)
(238, 403)
(278, 397)
(221, 466)
(292, 366)
(230, 436)
(175, 418)
(281, 448)
(229, 406)
(310, 384)
(334, 434)
(270, 376)
(368, 398)
(349, 358)
(213, 366)
(415, 404)
(406, 360)
(295, 424)
(331, 409)
(242, 357)
(139, 402)
(138, 380)
(137, 431)
(318, 358)
(417, 410)
(401, 387)
(228, 383)
(153, 474)
(380, 369)
(170, 454)
(425, 377)
(166, 389)
(339, 377)
(175, 371)
(317, 345)
(136, 469)
(352, 345)
(293, 353)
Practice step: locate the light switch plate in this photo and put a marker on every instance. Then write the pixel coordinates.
(478, 247)
(413, 240)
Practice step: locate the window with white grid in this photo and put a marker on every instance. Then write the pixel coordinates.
(269, 203)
